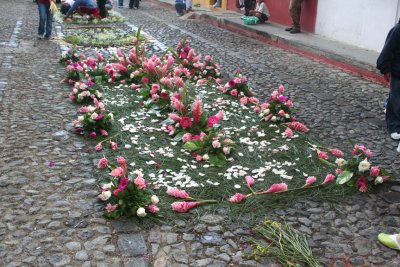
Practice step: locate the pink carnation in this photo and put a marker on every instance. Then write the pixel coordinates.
(122, 162)
(234, 92)
(140, 182)
(118, 172)
(276, 188)
(257, 109)
(98, 147)
(244, 100)
(110, 207)
(310, 180)
(329, 178)
(102, 163)
(176, 192)
(199, 158)
(374, 171)
(237, 198)
(183, 206)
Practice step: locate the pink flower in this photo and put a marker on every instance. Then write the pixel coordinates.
(199, 158)
(183, 206)
(338, 171)
(226, 150)
(103, 132)
(276, 188)
(102, 163)
(220, 115)
(185, 122)
(122, 162)
(322, 155)
(140, 182)
(298, 126)
(212, 120)
(310, 180)
(281, 89)
(117, 172)
(98, 147)
(183, 54)
(337, 152)
(244, 100)
(374, 171)
(174, 117)
(145, 80)
(114, 145)
(329, 178)
(186, 137)
(257, 109)
(237, 198)
(155, 87)
(289, 103)
(216, 144)
(110, 207)
(249, 181)
(231, 83)
(197, 110)
(179, 193)
(92, 134)
(282, 112)
(288, 133)
(123, 183)
(234, 92)
(152, 208)
(282, 98)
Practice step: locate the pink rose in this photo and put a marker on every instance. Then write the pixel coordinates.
(92, 134)
(282, 112)
(234, 92)
(118, 172)
(199, 158)
(140, 182)
(374, 172)
(98, 147)
(257, 109)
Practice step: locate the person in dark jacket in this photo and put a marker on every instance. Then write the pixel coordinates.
(389, 65)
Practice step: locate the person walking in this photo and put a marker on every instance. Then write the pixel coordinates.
(388, 64)
(45, 19)
(295, 13)
(133, 4)
(120, 3)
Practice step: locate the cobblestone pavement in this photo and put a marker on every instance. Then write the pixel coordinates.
(49, 215)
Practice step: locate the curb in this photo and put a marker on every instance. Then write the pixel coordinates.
(334, 60)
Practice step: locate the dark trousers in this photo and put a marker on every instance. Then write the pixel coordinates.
(295, 12)
(133, 3)
(393, 106)
(248, 5)
(180, 7)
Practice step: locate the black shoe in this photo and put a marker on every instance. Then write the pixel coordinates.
(289, 29)
(295, 30)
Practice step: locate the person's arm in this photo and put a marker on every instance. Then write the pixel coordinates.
(72, 9)
(385, 59)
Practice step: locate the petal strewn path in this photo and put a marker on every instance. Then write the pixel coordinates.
(49, 213)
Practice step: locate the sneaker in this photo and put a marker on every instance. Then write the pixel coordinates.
(295, 30)
(395, 136)
(288, 29)
(48, 38)
(120, 6)
(242, 8)
(40, 37)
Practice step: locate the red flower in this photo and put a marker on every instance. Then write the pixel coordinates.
(185, 122)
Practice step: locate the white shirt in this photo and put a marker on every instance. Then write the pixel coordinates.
(262, 8)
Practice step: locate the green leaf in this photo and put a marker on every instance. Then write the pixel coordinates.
(194, 145)
(178, 137)
(344, 177)
(218, 160)
(148, 103)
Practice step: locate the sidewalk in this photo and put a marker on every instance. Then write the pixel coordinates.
(356, 60)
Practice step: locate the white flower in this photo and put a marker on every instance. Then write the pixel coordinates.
(106, 186)
(287, 116)
(74, 90)
(138, 173)
(99, 94)
(340, 162)
(266, 111)
(273, 118)
(216, 144)
(94, 115)
(111, 116)
(104, 195)
(154, 199)
(378, 180)
(101, 105)
(364, 165)
(141, 212)
(206, 157)
(80, 118)
(91, 109)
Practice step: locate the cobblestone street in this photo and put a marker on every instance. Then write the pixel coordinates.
(50, 216)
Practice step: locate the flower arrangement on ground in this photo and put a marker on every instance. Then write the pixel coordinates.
(85, 92)
(214, 148)
(127, 197)
(95, 69)
(358, 171)
(71, 56)
(278, 109)
(94, 121)
(237, 86)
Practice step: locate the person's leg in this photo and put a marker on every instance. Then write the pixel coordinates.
(49, 22)
(136, 3)
(120, 3)
(295, 12)
(42, 20)
(247, 6)
(393, 108)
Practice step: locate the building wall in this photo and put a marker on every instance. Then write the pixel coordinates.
(363, 23)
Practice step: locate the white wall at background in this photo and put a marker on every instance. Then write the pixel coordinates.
(363, 23)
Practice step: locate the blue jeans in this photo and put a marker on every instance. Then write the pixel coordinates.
(393, 106)
(45, 20)
(120, 2)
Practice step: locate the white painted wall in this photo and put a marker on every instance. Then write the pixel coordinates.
(363, 23)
